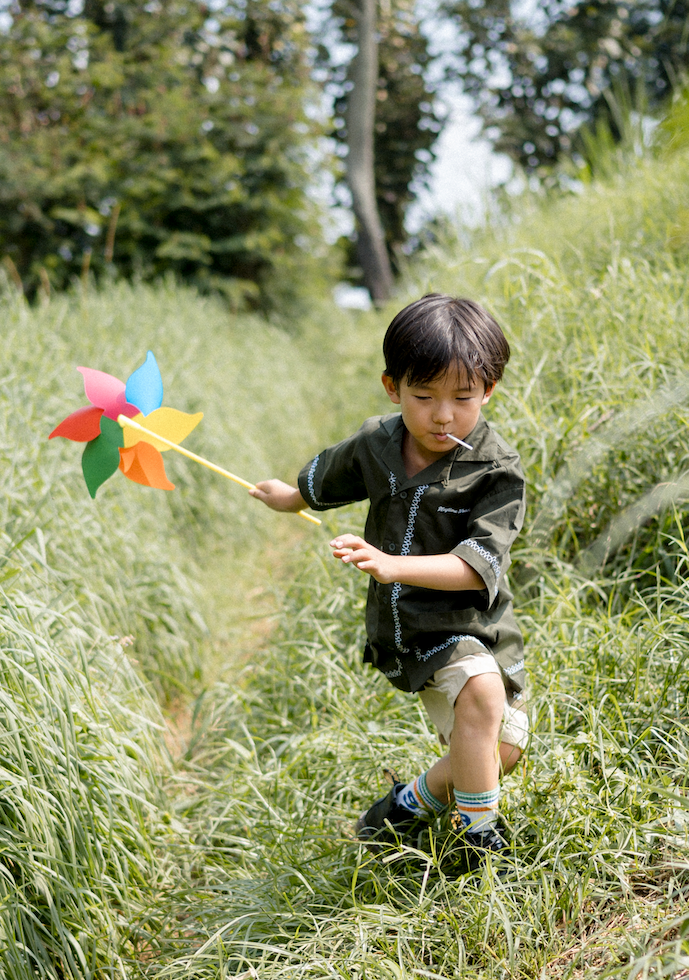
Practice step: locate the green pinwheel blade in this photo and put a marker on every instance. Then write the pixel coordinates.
(112, 431)
(100, 460)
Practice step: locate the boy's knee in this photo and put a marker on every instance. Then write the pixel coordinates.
(481, 701)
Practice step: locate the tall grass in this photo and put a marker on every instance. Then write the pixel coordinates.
(598, 814)
(79, 812)
(236, 857)
(102, 617)
(592, 291)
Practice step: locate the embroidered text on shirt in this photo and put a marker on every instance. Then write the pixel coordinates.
(453, 510)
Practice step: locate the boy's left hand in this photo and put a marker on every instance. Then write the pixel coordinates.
(449, 572)
(353, 550)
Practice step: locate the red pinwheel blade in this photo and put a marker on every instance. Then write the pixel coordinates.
(81, 426)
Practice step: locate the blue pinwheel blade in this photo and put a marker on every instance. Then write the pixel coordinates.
(145, 386)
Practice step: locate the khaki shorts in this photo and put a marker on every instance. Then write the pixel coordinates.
(443, 689)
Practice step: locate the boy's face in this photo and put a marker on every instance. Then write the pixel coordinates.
(447, 404)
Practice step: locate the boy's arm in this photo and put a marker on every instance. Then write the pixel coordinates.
(447, 573)
(279, 496)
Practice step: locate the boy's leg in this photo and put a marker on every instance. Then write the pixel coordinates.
(487, 729)
(439, 776)
(465, 713)
(472, 767)
(509, 757)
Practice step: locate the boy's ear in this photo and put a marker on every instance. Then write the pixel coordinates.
(391, 388)
(487, 393)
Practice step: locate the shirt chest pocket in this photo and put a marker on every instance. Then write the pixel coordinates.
(439, 529)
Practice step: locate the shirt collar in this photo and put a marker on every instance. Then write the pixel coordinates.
(481, 438)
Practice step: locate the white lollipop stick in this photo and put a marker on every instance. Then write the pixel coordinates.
(460, 441)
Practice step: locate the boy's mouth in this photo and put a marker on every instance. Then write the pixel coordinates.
(444, 436)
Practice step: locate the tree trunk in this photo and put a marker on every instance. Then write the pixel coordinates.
(361, 110)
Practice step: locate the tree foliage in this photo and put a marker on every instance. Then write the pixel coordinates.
(407, 123)
(156, 136)
(537, 82)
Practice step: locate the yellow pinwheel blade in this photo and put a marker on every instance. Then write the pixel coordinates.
(169, 423)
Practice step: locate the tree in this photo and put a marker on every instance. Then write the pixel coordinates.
(536, 83)
(406, 123)
(155, 137)
(360, 119)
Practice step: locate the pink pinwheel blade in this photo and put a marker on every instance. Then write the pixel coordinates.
(107, 392)
(122, 407)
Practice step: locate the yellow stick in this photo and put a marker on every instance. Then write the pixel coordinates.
(123, 420)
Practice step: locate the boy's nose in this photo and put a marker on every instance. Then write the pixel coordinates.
(442, 415)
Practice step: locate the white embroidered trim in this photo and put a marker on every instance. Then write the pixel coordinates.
(413, 511)
(443, 646)
(394, 673)
(392, 479)
(514, 668)
(491, 559)
(312, 492)
(394, 596)
(406, 548)
(309, 479)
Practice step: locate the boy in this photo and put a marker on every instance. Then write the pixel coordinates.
(443, 515)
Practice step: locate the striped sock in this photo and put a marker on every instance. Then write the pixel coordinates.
(417, 798)
(478, 811)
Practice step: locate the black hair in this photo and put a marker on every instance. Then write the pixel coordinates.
(433, 334)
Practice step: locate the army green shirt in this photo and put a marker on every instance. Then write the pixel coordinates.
(469, 503)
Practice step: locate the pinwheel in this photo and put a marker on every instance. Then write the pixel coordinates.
(113, 428)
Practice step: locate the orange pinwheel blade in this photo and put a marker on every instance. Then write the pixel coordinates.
(143, 464)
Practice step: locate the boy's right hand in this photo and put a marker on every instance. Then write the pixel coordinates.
(279, 496)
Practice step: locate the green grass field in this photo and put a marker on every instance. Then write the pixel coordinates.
(186, 730)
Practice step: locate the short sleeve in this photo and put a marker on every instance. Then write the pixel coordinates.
(493, 524)
(335, 477)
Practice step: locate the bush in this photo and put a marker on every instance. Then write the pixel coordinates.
(151, 138)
